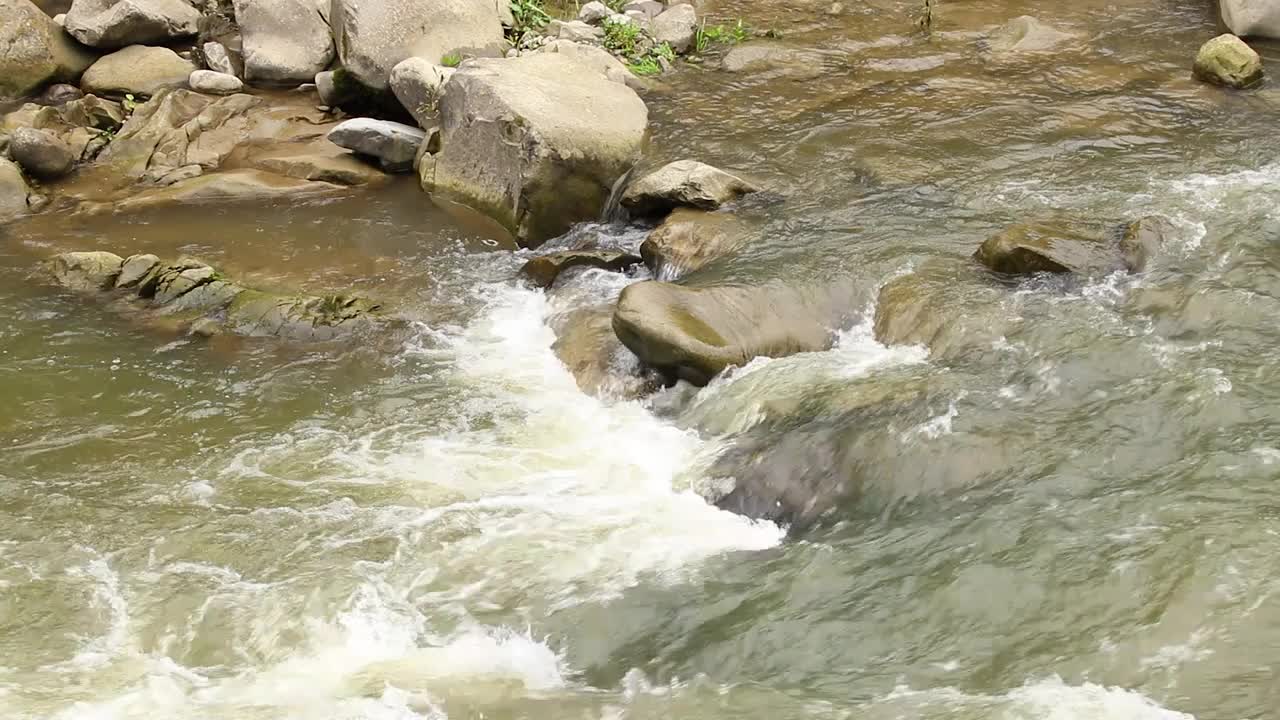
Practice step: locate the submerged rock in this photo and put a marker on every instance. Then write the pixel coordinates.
(214, 83)
(600, 364)
(394, 145)
(34, 50)
(689, 239)
(946, 306)
(1072, 246)
(1026, 34)
(229, 186)
(137, 70)
(13, 190)
(695, 333)
(543, 270)
(117, 23)
(211, 304)
(373, 37)
(85, 271)
(1257, 18)
(285, 41)
(772, 59)
(1226, 60)
(683, 183)
(535, 142)
(41, 153)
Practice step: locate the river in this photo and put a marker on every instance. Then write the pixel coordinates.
(1066, 510)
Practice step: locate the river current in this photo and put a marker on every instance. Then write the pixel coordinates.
(1067, 509)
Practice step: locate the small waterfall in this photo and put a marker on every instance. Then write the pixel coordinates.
(613, 211)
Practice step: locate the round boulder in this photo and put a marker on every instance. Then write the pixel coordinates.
(117, 23)
(1228, 61)
(40, 153)
(136, 70)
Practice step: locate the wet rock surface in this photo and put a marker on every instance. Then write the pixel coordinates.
(694, 333)
(543, 270)
(684, 183)
(1072, 246)
(687, 240)
(207, 303)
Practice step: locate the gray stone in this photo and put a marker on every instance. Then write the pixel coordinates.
(1256, 18)
(117, 23)
(42, 154)
(173, 283)
(393, 144)
(418, 84)
(59, 94)
(772, 59)
(594, 12)
(34, 50)
(647, 8)
(286, 42)
(373, 37)
(136, 269)
(676, 27)
(13, 190)
(1227, 61)
(136, 70)
(85, 271)
(535, 142)
(688, 240)
(214, 83)
(326, 88)
(592, 56)
(218, 59)
(574, 30)
(683, 183)
(1067, 245)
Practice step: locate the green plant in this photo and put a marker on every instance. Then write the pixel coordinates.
(664, 50)
(129, 104)
(730, 35)
(615, 5)
(647, 65)
(622, 37)
(451, 60)
(528, 15)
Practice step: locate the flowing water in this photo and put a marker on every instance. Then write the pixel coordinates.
(1066, 512)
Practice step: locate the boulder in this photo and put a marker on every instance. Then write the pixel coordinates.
(34, 50)
(41, 153)
(394, 145)
(13, 190)
(117, 23)
(543, 270)
(1072, 246)
(321, 161)
(595, 57)
(683, 183)
(285, 42)
(535, 142)
(1226, 60)
(136, 70)
(81, 124)
(327, 89)
(944, 305)
(59, 94)
(135, 270)
(373, 37)
(1258, 18)
(218, 59)
(1025, 34)
(418, 84)
(694, 333)
(594, 12)
(214, 83)
(689, 239)
(676, 26)
(85, 271)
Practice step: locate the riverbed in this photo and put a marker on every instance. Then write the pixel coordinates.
(1065, 509)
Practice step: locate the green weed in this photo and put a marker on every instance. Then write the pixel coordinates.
(452, 60)
(622, 37)
(720, 34)
(647, 65)
(925, 21)
(528, 15)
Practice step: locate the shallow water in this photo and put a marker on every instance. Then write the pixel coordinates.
(1067, 511)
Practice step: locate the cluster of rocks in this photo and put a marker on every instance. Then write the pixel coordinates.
(193, 296)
